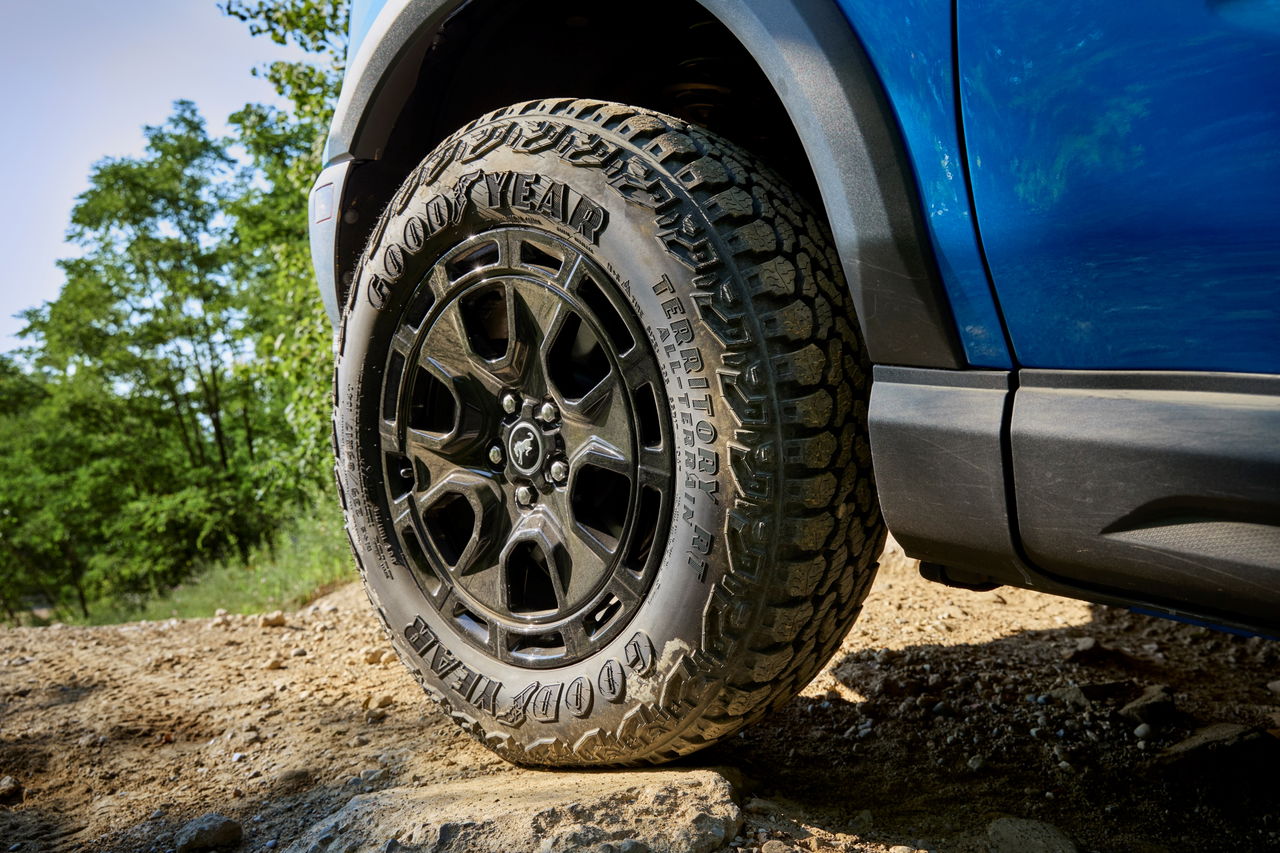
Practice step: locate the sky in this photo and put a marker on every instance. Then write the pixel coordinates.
(78, 80)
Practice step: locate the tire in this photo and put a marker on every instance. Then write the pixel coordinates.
(693, 541)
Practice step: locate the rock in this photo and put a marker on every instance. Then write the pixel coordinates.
(221, 611)
(661, 811)
(1274, 686)
(1085, 646)
(274, 663)
(776, 846)
(210, 832)
(1154, 706)
(371, 655)
(10, 790)
(1084, 695)
(298, 653)
(290, 781)
(1225, 749)
(274, 619)
(1090, 652)
(1014, 835)
(1207, 739)
(1143, 731)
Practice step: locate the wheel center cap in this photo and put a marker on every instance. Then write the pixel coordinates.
(524, 448)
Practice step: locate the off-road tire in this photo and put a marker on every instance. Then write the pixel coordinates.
(771, 526)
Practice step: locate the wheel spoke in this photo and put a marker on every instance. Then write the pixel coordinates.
(459, 496)
(654, 469)
(601, 454)
(575, 637)
(607, 419)
(536, 315)
(449, 355)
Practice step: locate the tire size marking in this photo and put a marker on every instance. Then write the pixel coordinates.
(478, 690)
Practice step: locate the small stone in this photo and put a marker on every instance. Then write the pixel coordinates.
(1274, 686)
(238, 756)
(209, 832)
(10, 790)
(902, 848)
(298, 653)
(90, 740)
(1090, 652)
(776, 846)
(1155, 706)
(382, 701)
(274, 619)
(373, 774)
(359, 740)
(371, 655)
(274, 663)
(1084, 695)
(220, 612)
(1143, 731)
(975, 762)
(376, 715)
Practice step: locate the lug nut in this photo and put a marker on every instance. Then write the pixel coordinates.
(547, 413)
(510, 404)
(495, 455)
(524, 496)
(559, 470)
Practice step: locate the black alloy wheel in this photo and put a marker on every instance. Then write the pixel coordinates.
(527, 467)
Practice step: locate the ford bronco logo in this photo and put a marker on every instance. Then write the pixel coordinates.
(524, 448)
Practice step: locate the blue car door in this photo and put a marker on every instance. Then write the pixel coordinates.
(1125, 166)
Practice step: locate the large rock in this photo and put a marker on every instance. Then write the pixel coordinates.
(1225, 757)
(1014, 835)
(208, 832)
(681, 811)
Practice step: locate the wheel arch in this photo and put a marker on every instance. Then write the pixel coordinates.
(786, 78)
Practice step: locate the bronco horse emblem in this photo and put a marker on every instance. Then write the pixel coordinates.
(523, 448)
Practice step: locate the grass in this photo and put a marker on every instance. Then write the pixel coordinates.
(310, 557)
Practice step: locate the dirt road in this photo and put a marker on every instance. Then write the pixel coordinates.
(943, 711)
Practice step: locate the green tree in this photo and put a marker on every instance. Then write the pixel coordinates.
(273, 255)
(173, 407)
(150, 330)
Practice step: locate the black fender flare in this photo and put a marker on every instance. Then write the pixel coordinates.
(821, 73)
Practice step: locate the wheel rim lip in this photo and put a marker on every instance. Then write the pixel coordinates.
(601, 594)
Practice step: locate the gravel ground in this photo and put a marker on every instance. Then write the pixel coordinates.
(945, 714)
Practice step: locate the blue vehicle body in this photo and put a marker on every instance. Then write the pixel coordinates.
(1058, 224)
(1124, 161)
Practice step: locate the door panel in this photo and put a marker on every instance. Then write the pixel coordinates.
(1125, 162)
